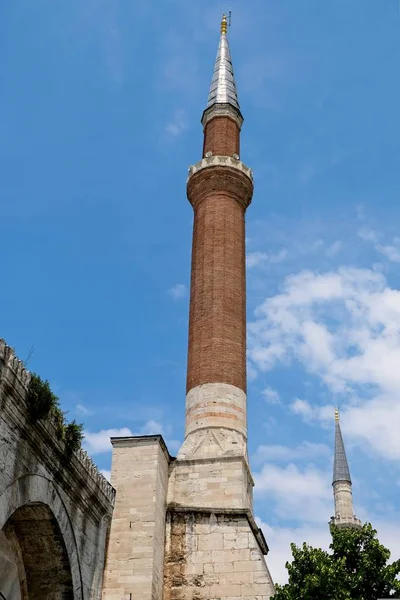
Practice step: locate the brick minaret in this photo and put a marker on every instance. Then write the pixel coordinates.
(183, 528)
(214, 548)
(342, 492)
(220, 189)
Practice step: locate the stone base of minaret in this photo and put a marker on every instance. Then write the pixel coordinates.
(183, 529)
(214, 554)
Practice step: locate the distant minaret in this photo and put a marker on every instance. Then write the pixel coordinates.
(344, 514)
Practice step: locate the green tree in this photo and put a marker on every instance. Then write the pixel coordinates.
(356, 568)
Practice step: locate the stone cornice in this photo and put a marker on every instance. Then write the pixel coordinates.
(223, 175)
(220, 161)
(136, 440)
(346, 522)
(222, 110)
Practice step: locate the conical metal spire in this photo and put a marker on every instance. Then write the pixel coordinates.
(341, 470)
(223, 87)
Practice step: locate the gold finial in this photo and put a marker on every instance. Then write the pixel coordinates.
(337, 415)
(224, 24)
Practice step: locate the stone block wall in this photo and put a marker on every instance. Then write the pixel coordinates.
(223, 482)
(135, 555)
(214, 557)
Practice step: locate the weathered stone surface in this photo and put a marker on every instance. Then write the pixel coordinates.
(213, 556)
(54, 512)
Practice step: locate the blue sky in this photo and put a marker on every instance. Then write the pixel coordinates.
(99, 121)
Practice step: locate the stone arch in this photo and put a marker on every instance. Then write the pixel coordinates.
(31, 499)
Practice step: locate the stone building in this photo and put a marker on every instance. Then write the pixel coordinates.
(183, 528)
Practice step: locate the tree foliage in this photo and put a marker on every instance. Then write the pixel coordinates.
(44, 404)
(356, 568)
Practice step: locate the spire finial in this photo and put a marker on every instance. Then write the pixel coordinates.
(223, 87)
(337, 415)
(224, 24)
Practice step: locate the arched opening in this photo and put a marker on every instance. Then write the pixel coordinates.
(40, 555)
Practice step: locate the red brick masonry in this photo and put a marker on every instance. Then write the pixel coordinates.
(222, 137)
(217, 322)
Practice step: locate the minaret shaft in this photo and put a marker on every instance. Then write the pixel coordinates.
(342, 487)
(217, 329)
(220, 189)
(221, 137)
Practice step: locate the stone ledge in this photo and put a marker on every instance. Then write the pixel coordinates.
(220, 161)
(172, 507)
(342, 523)
(221, 109)
(136, 440)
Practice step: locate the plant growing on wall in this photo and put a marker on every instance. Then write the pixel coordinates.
(44, 404)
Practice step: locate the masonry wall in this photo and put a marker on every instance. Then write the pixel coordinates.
(222, 482)
(212, 556)
(34, 472)
(135, 554)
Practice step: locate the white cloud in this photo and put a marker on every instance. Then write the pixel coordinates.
(279, 453)
(368, 235)
(295, 493)
(390, 251)
(312, 413)
(178, 291)
(257, 259)
(99, 442)
(177, 125)
(83, 410)
(253, 259)
(334, 248)
(271, 396)
(152, 428)
(344, 327)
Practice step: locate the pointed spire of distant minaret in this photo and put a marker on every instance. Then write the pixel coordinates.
(341, 470)
(223, 98)
(344, 513)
